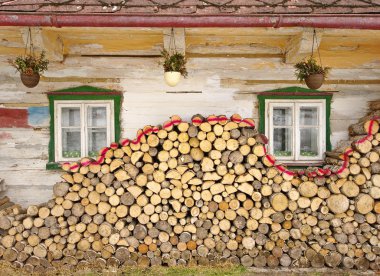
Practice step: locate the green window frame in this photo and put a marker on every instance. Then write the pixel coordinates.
(296, 93)
(81, 94)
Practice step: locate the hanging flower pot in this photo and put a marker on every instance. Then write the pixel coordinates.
(30, 65)
(174, 63)
(174, 66)
(311, 73)
(30, 80)
(314, 81)
(172, 78)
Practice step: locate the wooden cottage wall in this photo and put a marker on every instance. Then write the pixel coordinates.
(216, 85)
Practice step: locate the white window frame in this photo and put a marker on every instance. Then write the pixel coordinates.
(83, 105)
(296, 106)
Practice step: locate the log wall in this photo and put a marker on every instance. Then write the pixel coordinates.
(216, 85)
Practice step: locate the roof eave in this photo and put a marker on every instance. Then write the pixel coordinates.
(336, 21)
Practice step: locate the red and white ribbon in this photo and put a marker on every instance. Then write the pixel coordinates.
(236, 119)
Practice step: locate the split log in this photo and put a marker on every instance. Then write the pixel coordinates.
(363, 128)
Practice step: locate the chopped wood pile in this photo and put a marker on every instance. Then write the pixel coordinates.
(7, 207)
(202, 193)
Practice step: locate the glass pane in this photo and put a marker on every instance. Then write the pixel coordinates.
(70, 117)
(282, 141)
(97, 139)
(97, 116)
(309, 116)
(71, 143)
(309, 142)
(282, 116)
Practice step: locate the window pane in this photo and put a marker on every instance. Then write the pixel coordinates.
(282, 141)
(97, 116)
(282, 116)
(70, 116)
(309, 142)
(71, 143)
(97, 139)
(309, 116)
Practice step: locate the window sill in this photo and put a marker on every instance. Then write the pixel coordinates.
(53, 166)
(303, 164)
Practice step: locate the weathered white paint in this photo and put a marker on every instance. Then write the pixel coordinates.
(24, 154)
(27, 195)
(228, 86)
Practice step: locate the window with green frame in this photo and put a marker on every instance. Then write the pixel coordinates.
(82, 121)
(297, 123)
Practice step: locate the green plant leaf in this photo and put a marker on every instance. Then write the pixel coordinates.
(309, 67)
(174, 62)
(30, 64)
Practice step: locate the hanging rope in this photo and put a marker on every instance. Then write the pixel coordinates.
(29, 44)
(172, 46)
(312, 46)
(319, 54)
(315, 41)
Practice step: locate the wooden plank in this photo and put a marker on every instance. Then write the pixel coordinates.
(13, 117)
(25, 136)
(31, 178)
(26, 195)
(22, 164)
(175, 39)
(302, 45)
(114, 68)
(50, 42)
(352, 104)
(136, 109)
(8, 96)
(18, 151)
(112, 41)
(24, 143)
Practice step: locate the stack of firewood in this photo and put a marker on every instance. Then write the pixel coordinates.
(8, 207)
(203, 193)
(366, 148)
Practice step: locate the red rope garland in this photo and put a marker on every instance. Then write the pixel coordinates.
(270, 158)
(327, 171)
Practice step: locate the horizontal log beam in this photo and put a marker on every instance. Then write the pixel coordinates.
(230, 82)
(302, 45)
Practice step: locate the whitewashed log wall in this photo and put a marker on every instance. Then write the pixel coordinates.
(227, 86)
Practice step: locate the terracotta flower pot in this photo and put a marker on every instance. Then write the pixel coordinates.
(30, 80)
(172, 78)
(314, 81)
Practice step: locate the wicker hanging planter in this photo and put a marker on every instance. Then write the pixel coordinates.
(314, 81)
(310, 72)
(30, 80)
(30, 65)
